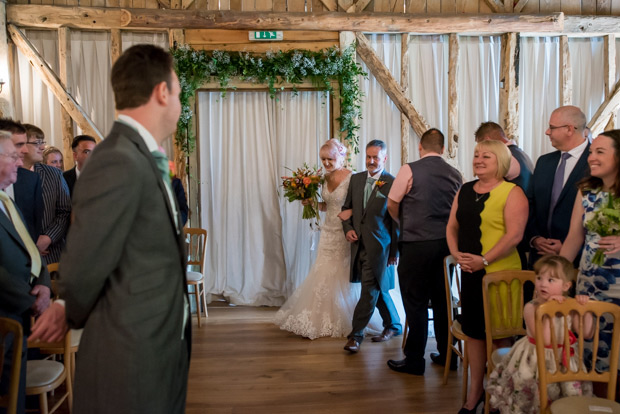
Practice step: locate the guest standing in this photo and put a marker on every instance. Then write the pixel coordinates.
(82, 147)
(53, 157)
(597, 281)
(420, 201)
(486, 223)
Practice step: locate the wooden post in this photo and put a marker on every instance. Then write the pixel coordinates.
(64, 68)
(509, 93)
(116, 44)
(6, 101)
(610, 74)
(404, 84)
(453, 95)
(566, 74)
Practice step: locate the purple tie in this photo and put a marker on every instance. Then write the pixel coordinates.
(558, 183)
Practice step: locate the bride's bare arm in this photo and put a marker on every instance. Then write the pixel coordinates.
(345, 214)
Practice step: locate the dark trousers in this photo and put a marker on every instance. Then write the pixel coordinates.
(421, 276)
(372, 296)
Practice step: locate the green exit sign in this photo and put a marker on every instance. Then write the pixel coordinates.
(266, 36)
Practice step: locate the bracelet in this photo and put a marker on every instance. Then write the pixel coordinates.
(484, 261)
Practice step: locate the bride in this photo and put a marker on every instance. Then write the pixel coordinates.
(323, 305)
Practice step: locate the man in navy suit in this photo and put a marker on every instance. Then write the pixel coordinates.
(82, 147)
(554, 184)
(24, 282)
(27, 191)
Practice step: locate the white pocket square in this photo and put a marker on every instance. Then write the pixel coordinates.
(380, 195)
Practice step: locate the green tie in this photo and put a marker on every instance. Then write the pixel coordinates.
(162, 165)
(35, 257)
(368, 189)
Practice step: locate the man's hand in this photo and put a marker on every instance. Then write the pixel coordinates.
(393, 261)
(43, 243)
(51, 326)
(42, 302)
(351, 236)
(547, 246)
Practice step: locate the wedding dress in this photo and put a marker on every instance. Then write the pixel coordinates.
(323, 304)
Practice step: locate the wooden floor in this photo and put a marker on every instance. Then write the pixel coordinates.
(242, 363)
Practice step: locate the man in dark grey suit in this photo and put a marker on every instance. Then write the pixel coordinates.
(82, 147)
(24, 281)
(123, 272)
(374, 246)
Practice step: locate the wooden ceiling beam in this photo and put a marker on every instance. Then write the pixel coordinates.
(608, 107)
(99, 18)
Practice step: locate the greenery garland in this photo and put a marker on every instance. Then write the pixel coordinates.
(195, 67)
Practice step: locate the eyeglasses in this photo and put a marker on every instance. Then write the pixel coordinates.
(38, 142)
(552, 127)
(14, 157)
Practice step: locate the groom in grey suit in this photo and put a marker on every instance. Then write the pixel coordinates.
(374, 246)
(122, 274)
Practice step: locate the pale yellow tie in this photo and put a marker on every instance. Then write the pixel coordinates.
(35, 257)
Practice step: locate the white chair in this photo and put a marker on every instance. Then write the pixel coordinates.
(196, 245)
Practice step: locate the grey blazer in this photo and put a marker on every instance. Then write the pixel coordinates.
(374, 228)
(123, 279)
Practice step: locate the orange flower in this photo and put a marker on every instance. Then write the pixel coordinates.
(380, 183)
(307, 181)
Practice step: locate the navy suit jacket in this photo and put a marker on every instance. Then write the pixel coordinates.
(70, 177)
(28, 195)
(540, 198)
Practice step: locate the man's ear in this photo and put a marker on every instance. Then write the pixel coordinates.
(161, 93)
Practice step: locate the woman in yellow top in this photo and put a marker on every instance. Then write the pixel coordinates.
(486, 223)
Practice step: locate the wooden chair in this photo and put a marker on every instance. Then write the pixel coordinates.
(11, 330)
(43, 376)
(568, 309)
(452, 274)
(196, 247)
(502, 295)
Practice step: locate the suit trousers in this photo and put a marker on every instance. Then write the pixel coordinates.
(421, 278)
(371, 297)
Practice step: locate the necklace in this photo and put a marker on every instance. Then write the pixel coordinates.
(479, 196)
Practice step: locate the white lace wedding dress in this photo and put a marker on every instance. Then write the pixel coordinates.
(323, 305)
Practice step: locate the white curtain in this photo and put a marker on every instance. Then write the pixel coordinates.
(256, 237)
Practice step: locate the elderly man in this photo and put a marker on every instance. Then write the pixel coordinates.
(82, 147)
(56, 199)
(24, 281)
(123, 270)
(554, 184)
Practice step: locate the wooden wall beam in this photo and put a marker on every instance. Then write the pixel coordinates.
(6, 97)
(404, 84)
(104, 19)
(509, 93)
(64, 68)
(610, 74)
(53, 83)
(566, 73)
(116, 44)
(453, 95)
(389, 84)
(601, 117)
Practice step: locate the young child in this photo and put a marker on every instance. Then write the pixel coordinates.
(513, 385)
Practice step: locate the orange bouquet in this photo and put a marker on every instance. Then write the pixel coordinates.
(304, 184)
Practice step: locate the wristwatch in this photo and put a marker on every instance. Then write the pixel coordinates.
(485, 262)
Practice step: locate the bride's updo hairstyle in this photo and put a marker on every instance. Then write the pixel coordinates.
(334, 146)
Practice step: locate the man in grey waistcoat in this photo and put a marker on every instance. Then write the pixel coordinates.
(420, 201)
(373, 236)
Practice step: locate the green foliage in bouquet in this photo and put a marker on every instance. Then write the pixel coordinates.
(195, 67)
(304, 184)
(605, 222)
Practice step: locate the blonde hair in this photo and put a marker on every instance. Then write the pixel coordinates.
(51, 150)
(502, 153)
(558, 267)
(336, 146)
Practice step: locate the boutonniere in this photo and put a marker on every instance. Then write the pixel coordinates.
(380, 183)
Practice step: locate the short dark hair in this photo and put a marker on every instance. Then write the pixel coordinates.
(14, 127)
(377, 143)
(80, 138)
(34, 131)
(594, 183)
(136, 73)
(491, 129)
(432, 140)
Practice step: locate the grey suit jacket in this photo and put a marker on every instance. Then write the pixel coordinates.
(374, 228)
(123, 279)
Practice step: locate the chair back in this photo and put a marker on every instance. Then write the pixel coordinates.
(584, 321)
(452, 275)
(196, 240)
(502, 294)
(11, 335)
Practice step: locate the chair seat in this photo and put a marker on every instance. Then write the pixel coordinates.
(457, 330)
(40, 373)
(498, 355)
(584, 405)
(194, 276)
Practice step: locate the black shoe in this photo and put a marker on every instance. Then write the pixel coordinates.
(439, 359)
(464, 410)
(403, 366)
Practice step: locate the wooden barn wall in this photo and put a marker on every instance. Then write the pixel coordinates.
(569, 7)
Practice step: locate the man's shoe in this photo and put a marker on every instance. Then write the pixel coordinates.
(352, 346)
(386, 335)
(402, 366)
(439, 359)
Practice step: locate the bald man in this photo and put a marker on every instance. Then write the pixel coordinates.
(554, 184)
